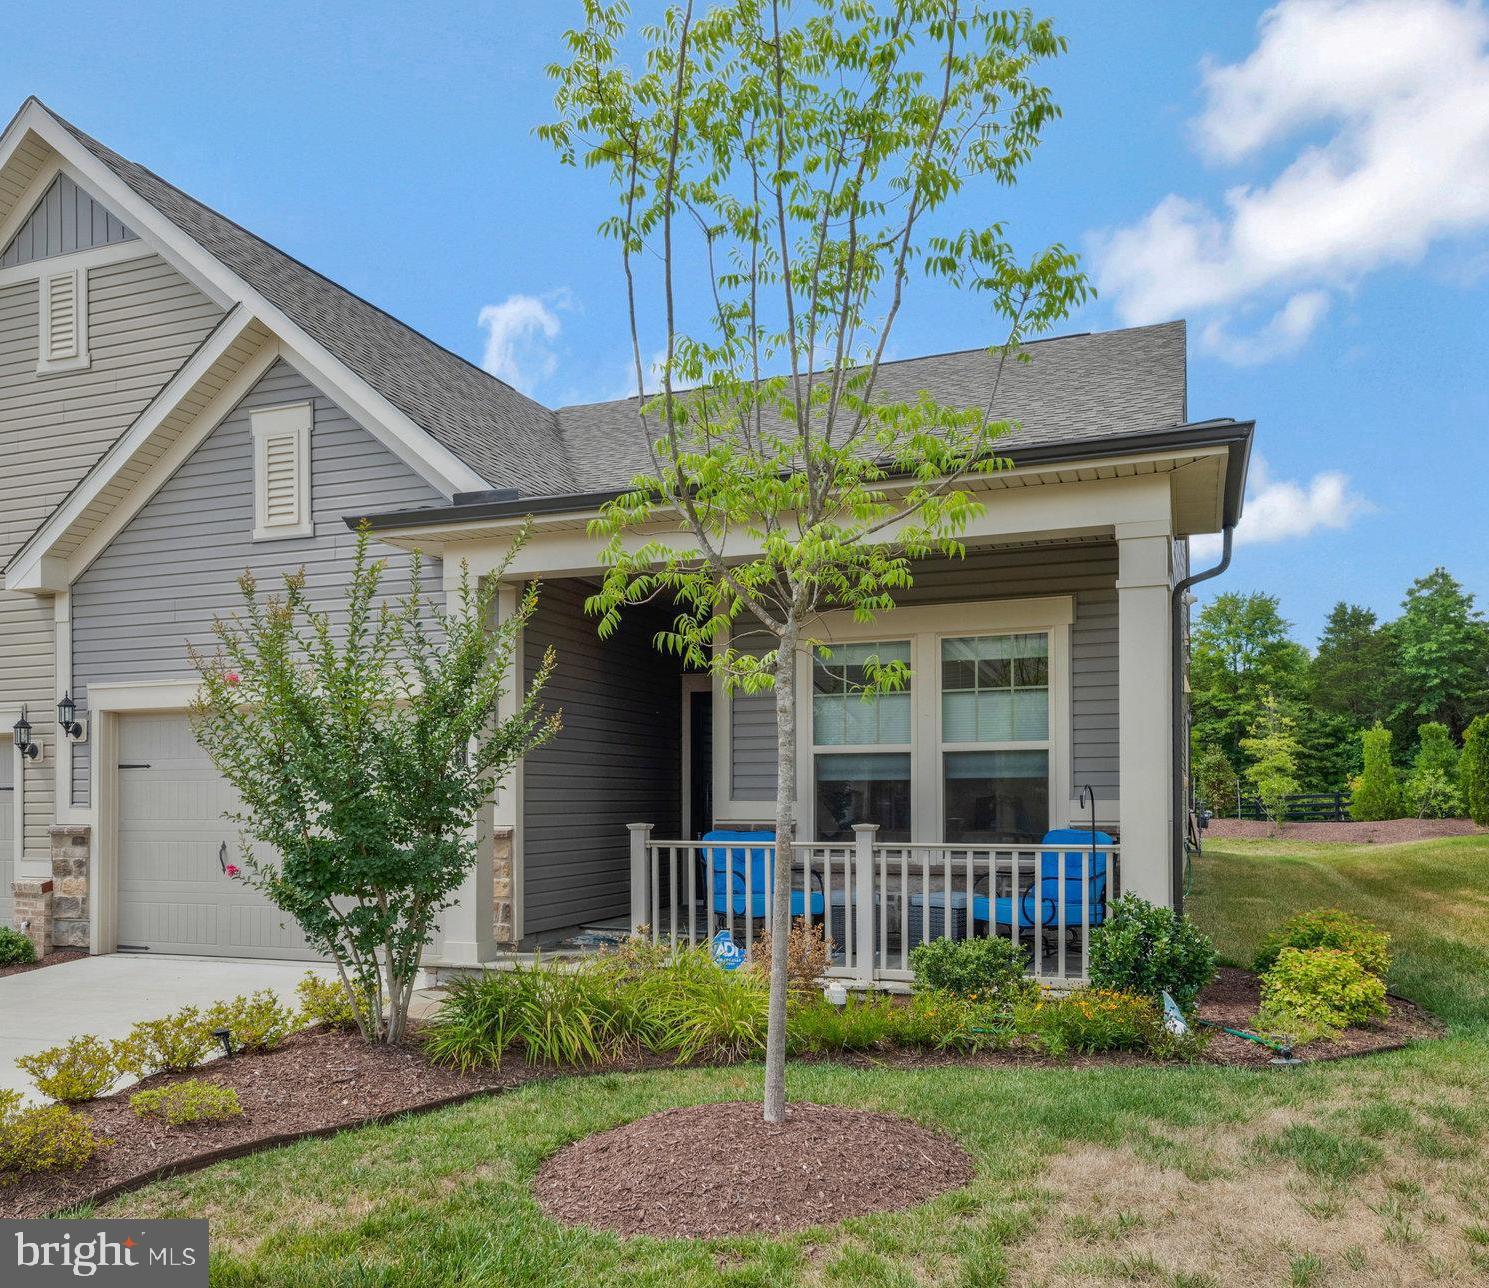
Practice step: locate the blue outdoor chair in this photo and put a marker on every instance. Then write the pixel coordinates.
(726, 866)
(1050, 865)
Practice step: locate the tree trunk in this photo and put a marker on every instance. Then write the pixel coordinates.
(780, 906)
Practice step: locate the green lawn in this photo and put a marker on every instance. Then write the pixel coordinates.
(1363, 1172)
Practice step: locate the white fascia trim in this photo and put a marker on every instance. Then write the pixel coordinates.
(143, 695)
(34, 567)
(417, 448)
(35, 190)
(95, 257)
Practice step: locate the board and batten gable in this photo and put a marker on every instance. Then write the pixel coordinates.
(65, 220)
(1085, 571)
(174, 567)
(144, 321)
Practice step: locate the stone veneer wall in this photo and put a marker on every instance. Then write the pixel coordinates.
(71, 852)
(501, 885)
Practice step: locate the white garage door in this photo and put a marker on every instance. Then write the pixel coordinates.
(173, 894)
(7, 830)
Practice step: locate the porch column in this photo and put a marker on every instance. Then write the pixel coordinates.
(1144, 707)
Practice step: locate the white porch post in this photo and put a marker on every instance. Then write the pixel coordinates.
(865, 942)
(640, 875)
(1144, 697)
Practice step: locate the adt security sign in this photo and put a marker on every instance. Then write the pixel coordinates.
(111, 1254)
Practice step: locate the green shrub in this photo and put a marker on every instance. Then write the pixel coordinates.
(1376, 792)
(1312, 992)
(1215, 780)
(696, 1011)
(15, 948)
(1090, 1020)
(325, 1001)
(1329, 928)
(191, 1101)
(814, 1026)
(1431, 794)
(175, 1044)
(986, 969)
(1473, 770)
(257, 1021)
(80, 1070)
(42, 1138)
(1149, 950)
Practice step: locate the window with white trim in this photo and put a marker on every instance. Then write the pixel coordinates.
(281, 471)
(995, 737)
(861, 745)
(63, 327)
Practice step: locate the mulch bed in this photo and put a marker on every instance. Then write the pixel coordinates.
(1389, 832)
(317, 1083)
(54, 958)
(708, 1171)
(323, 1081)
(1235, 996)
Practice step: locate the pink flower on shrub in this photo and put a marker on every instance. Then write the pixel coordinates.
(232, 869)
(232, 677)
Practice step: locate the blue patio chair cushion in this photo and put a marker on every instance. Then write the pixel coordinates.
(727, 865)
(1049, 885)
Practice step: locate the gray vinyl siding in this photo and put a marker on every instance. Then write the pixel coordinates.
(752, 734)
(174, 567)
(1087, 572)
(615, 762)
(66, 219)
(144, 321)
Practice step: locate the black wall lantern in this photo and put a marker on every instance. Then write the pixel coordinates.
(22, 731)
(67, 711)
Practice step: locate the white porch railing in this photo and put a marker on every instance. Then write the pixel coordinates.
(875, 902)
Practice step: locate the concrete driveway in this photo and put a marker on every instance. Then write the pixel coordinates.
(106, 996)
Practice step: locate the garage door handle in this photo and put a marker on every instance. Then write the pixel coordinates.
(222, 856)
(145, 766)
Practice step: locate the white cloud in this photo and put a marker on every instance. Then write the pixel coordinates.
(1401, 88)
(519, 338)
(1280, 509)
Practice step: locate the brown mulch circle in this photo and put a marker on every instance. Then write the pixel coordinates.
(1235, 996)
(710, 1171)
(317, 1083)
(54, 958)
(1389, 832)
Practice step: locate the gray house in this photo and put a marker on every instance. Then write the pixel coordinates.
(181, 400)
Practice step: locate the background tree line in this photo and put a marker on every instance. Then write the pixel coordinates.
(1276, 718)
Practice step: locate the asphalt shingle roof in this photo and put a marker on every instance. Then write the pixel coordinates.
(1072, 389)
(506, 437)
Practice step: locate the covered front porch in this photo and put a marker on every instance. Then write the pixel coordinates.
(874, 902)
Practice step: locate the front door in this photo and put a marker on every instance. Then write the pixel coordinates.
(697, 756)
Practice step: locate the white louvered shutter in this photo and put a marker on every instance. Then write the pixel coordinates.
(64, 320)
(281, 439)
(281, 479)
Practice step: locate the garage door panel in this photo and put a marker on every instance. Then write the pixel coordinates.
(173, 894)
(7, 830)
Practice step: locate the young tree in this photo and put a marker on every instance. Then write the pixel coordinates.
(1273, 752)
(1433, 787)
(1377, 791)
(1241, 653)
(1473, 770)
(782, 181)
(1443, 646)
(362, 746)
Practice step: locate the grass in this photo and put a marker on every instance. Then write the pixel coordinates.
(1362, 1172)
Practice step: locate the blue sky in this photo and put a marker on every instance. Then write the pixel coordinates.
(1308, 184)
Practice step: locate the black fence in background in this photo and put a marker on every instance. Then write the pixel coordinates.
(1308, 807)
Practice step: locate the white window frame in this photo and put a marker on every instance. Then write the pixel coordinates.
(79, 358)
(1045, 744)
(273, 422)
